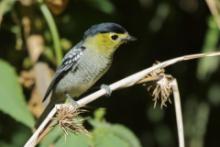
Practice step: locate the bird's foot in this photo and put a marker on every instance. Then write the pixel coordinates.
(107, 89)
(71, 101)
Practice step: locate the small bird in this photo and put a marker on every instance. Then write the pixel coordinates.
(85, 63)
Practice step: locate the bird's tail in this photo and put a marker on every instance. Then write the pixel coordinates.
(47, 110)
(45, 113)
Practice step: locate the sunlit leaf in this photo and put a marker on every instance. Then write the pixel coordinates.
(11, 96)
(35, 45)
(5, 6)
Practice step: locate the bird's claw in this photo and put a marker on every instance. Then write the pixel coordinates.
(71, 101)
(107, 89)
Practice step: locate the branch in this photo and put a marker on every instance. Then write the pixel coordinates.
(124, 83)
(178, 110)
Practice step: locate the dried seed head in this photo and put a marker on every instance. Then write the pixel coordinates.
(68, 119)
(159, 87)
(161, 91)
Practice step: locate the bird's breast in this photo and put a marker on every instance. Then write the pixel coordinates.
(88, 71)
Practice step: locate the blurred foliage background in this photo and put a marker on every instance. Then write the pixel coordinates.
(34, 35)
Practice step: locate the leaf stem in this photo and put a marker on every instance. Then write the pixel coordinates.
(53, 30)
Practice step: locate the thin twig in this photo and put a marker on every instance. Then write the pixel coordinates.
(178, 111)
(124, 83)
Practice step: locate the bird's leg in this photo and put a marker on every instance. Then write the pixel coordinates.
(71, 100)
(107, 89)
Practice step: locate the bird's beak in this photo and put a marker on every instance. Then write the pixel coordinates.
(129, 38)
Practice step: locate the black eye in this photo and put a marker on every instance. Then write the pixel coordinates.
(114, 37)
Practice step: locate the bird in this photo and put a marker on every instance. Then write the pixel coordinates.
(84, 64)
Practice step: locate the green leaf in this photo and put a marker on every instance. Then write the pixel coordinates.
(99, 114)
(73, 140)
(11, 96)
(50, 138)
(127, 135)
(57, 138)
(110, 140)
(109, 135)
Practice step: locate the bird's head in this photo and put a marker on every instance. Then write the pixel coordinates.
(106, 37)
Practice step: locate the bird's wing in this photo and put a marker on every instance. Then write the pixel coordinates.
(70, 61)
